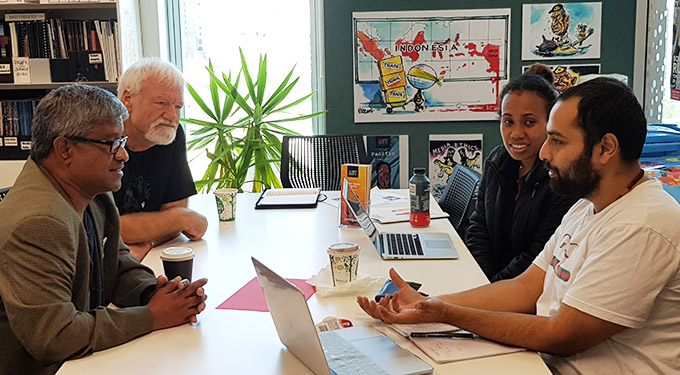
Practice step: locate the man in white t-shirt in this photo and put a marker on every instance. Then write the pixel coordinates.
(604, 295)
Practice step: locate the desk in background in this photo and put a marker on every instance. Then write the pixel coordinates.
(293, 243)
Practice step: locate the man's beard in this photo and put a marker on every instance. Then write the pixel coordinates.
(579, 181)
(161, 132)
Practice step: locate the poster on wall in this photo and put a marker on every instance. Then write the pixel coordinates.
(448, 150)
(675, 55)
(445, 65)
(389, 157)
(567, 76)
(561, 31)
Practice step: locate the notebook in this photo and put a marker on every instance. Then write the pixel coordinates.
(399, 245)
(288, 198)
(331, 352)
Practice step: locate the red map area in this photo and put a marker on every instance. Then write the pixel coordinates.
(492, 56)
(438, 48)
(371, 46)
(413, 53)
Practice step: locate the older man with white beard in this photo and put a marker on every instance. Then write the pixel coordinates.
(157, 181)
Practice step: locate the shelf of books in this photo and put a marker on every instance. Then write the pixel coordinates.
(45, 44)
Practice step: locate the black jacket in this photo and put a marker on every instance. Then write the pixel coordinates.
(506, 234)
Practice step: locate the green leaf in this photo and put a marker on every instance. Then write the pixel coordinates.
(247, 78)
(200, 102)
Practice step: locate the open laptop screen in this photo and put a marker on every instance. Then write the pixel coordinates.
(361, 215)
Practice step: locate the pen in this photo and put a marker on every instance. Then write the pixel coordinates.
(457, 334)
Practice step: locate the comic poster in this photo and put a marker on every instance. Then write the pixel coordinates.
(444, 65)
(448, 150)
(675, 55)
(561, 31)
(389, 158)
(567, 76)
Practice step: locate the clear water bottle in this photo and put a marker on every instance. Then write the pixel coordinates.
(419, 191)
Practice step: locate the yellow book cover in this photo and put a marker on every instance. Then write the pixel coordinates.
(393, 81)
(390, 65)
(359, 178)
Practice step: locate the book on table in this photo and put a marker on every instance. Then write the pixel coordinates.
(288, 198)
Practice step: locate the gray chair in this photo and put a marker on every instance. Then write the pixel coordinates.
(460, 196)
(315, 161)
(3, 192)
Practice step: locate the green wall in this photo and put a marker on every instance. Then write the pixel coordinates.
(617, 55)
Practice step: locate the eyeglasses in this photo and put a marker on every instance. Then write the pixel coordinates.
(114, 145)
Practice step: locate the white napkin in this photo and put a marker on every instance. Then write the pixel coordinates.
(363, 285)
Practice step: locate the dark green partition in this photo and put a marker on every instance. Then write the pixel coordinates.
(617, 56)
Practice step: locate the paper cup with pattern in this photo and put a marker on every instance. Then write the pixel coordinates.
(344, 258)
(226, 203)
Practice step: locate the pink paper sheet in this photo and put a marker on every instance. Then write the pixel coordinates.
(251, 298)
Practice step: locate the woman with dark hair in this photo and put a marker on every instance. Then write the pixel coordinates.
(516, 212)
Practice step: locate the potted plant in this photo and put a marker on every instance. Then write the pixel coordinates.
(251, 140)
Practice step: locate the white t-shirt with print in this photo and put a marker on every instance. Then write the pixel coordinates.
(621, 265)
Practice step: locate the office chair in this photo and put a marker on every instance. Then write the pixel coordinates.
(460, 196)
(315, 161)
(3, 192)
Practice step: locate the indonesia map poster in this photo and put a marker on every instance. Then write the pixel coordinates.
(389, 158)
(445, 65)
(448, 150)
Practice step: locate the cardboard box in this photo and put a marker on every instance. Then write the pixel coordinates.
(359, 178)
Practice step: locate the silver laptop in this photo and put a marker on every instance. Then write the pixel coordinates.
(399, 245)
(333, 352)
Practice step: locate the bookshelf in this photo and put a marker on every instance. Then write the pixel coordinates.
(73, 41)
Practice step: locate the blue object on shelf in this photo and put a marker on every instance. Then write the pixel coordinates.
(661, 156)
(662, 140)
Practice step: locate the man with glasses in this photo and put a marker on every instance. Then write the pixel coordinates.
(62, 261)
(157, 181)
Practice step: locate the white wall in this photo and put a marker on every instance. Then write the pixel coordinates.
(9, 170)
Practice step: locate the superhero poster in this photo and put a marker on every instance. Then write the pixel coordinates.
(561, 31)
(567, 76)
(448, 150)
(389, 158)
(434, 65)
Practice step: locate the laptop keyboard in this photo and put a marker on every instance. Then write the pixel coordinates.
(403, 244)
(344, 359)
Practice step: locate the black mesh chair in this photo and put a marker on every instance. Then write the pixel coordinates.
(315, 161)
(460, 197)
(3, 192)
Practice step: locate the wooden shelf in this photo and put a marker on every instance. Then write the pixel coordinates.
(54, 85)
(33, 6)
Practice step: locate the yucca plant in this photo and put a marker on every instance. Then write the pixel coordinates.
(250, 141)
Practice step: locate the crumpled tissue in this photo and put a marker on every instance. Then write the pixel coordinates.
(361, 286)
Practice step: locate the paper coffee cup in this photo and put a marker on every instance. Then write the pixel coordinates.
(226, 204)
(178, 261)
(344, 259)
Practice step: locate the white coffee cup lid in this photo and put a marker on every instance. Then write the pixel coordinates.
(343, 246)
(177, 253)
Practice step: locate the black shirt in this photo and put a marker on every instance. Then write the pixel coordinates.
(154, 177)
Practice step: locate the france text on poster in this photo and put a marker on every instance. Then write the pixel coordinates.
(561, 31)
(443, 65)
(447, 150)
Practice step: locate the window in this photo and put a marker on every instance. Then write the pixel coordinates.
(215, 29)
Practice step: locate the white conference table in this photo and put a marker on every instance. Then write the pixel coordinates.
(293, 243)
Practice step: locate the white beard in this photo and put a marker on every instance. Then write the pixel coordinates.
(161, 134)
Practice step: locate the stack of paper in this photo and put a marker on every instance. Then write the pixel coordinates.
(451, 349)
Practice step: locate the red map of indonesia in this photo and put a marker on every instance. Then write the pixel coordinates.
(412, 49)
